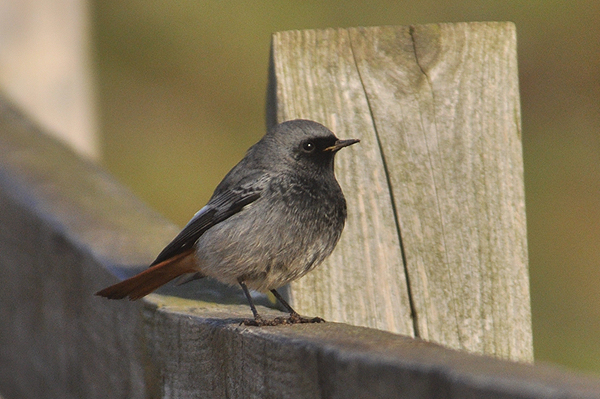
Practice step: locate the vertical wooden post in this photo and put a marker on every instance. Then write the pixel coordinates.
(435, 190)
(314, 76)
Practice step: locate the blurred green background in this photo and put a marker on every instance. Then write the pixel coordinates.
(182, 96)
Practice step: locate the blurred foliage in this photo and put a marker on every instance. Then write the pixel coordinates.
(182, 92)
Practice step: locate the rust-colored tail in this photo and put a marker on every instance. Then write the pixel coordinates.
(149, 280)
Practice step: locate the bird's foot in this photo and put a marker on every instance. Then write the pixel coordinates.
(294, 318)
(256, 322)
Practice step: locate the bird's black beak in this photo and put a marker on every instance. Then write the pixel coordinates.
(341, 144)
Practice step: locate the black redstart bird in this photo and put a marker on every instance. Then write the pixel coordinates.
(275, 216)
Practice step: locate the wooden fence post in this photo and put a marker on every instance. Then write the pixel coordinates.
(435, 242)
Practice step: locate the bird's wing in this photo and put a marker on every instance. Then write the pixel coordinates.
(221, 206)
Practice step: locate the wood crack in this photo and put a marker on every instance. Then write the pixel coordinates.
(435, 185)
(411, 302)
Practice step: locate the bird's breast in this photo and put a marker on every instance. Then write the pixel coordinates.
(289, 230)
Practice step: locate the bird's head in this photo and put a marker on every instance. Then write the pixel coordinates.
(305, 144)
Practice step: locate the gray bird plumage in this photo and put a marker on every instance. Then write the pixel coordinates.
(274, 217)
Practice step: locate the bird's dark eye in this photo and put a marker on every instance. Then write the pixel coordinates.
(308, 146)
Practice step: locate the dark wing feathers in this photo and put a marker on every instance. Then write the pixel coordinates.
(221, 206)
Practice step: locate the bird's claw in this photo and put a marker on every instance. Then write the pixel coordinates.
(294, 318)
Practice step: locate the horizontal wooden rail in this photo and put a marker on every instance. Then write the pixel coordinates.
(66, 230)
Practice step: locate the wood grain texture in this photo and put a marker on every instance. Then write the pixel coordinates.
(314, 76)
(442, 104)
(65, 225)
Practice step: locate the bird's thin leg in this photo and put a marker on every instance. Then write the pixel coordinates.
(257, 317)
(294, 316)
(259, 321)
(283, 302)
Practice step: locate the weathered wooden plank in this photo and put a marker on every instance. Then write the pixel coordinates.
(212, 356)
(447, 114)
(65, 224)
(314, 76)
(61, 219)
(442, 107)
